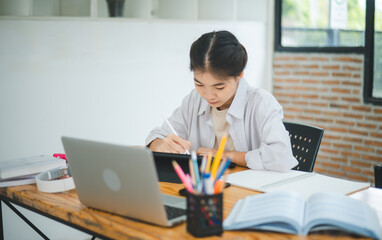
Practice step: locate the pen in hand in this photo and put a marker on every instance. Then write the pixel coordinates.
(173, 131)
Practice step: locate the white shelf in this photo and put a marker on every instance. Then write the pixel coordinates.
(229, 10)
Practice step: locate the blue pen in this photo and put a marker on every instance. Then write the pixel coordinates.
(223, 169)
(196, 170)
(207, 184)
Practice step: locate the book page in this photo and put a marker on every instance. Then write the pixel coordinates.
(343, 212)
(263, 180)
(280, 211)
(320, 183)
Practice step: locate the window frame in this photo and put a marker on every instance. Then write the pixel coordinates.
(367, 50)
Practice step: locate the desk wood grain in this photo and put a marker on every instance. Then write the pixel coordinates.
(66, 207)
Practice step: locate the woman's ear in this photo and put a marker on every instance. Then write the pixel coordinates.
(240, 76)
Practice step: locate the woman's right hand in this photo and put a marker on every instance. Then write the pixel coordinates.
(170, 144)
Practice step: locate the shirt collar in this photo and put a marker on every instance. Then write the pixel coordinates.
(238, 103)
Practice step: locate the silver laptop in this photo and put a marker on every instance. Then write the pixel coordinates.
(121, 180)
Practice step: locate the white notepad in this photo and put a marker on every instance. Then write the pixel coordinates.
(305, 183)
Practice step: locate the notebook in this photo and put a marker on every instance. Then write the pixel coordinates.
(121, 180)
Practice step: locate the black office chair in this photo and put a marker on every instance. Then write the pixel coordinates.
(378, 176)
(305, 141)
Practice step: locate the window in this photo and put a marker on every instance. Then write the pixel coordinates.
(337, 26)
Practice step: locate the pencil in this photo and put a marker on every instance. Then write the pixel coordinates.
(218, 156)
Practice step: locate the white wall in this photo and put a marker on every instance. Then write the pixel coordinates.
(106, 80)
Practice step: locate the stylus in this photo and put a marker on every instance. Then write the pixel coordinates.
(173, 131)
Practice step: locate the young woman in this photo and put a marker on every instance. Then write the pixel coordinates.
(223, 104)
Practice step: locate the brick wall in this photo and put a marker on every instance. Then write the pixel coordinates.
(326, 90)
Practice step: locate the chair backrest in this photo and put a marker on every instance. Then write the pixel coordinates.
(378, 176)
(305, 141)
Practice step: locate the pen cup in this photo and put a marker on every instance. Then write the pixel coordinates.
(205, 214)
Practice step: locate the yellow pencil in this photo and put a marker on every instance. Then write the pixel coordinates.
(218, 156)
(208, 165)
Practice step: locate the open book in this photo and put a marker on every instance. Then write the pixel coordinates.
(288, 212)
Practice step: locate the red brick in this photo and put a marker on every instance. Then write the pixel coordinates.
(372, 158)
(310, 96)
(334, 137)
(289, 109)
(357, 178)
(350, 83)
(330, 165)
(278, 80)
(298, 58)
(357, 132)
(369, 126)
(350, 68)
(326, 120)
(290, 117)
(361, 108)
(351, 169)
(282, 58)
(292, 80)
(291, 66)
(321, 74)
(356, 91)
(361, 163)
(318, 104)
(282, 73)
(363, 149)
(350, 99)
(328, 150)
(376, 135)
(351, 154)
(306, 118)
(312, 66)
(276, 65)
(368, 173)
(341, 145)
(319, 170)
(330, 82)
(336, 173)
(301, 73)
(353, 139)
(341, 74)
(347, 59)
(351, 115)
(339, 159)
(322, 59)
(338, 129)
(310, 81)
(341, 106)
(372, 118)
(341, 90)
(332, 114)
(330, 98)
(356, 76)
(378, 110)
(373, 143)
(312, 111)
(347, 123)
(335, 67)
(300, 88)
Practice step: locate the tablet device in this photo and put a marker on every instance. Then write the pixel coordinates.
(165, 169)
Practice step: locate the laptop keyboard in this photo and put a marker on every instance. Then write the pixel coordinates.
(173, 212)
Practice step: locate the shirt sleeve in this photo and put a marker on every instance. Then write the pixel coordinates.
(178, 120)
(274, 152)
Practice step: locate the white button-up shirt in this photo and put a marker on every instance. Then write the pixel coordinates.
(256, 127)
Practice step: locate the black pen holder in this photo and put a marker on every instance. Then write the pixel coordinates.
(205, 214)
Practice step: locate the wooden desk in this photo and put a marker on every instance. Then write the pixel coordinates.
(66, 208)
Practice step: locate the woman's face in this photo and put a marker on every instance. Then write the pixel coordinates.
(219, 93)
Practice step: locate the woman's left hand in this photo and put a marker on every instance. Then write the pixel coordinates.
(206, 151)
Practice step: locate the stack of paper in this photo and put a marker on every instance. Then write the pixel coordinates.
(24, 170)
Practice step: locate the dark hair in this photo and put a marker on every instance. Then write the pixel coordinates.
(219, 53)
